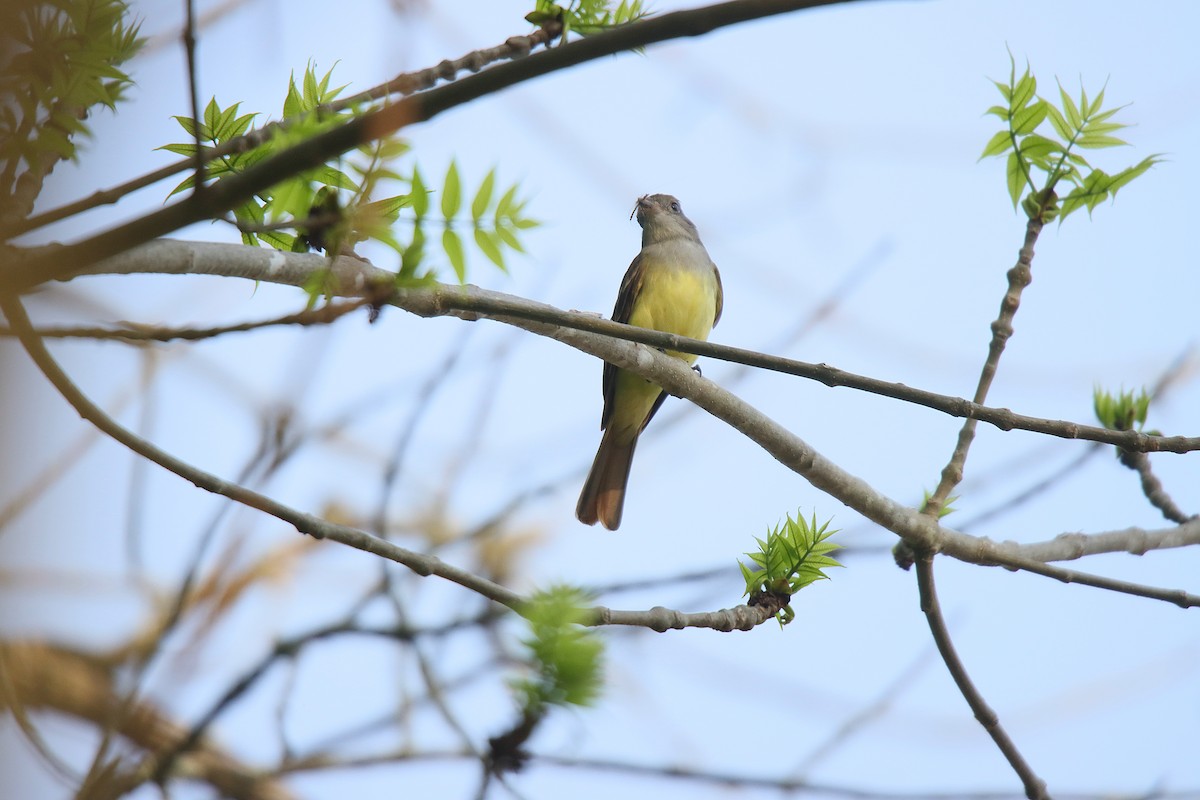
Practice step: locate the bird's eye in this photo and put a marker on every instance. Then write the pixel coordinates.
(675, 207)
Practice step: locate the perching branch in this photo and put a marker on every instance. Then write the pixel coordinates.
(352, 277)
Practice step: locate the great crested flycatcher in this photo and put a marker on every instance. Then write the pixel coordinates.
(672, 286)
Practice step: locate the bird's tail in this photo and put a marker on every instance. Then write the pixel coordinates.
(603, 494)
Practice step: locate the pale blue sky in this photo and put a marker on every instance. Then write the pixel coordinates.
(803, 147)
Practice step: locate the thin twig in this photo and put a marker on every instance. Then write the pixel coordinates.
(1152, 487)
(1035, 787)
(189, 49)
(137, 332)
(1019, 277)
(304, 523)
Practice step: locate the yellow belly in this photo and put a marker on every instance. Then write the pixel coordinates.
(679, 301)
(673, 300)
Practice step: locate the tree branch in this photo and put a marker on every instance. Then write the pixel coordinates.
(63, 262)
(403, 84)
(304, 523)
(349, 276)
(139, 333)
(1152, 487)
(1035, 787)
(1019, 277)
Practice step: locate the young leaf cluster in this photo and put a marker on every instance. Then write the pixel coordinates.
(794, 554)
(495, 222)
(333, 207)
(1042, 142)
(566, 658)
(66, 60)
(587, 17)
(1122, 412)
(947, 507)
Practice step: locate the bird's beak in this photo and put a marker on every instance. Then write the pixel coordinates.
(643, 204)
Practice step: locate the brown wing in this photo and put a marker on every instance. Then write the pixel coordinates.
(720, 295)
(631, 284)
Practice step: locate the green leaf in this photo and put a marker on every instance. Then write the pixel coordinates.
(451, 193)
(293, 105)
(452, 244)
(413, 255)
(509, 238)
(566, 658)
(419, 195)
(1102, 116)
(1037, 146)
(1023, 92)
(998, 144)
(388, 207)
(1069, 108)
(1094, 141)
(489, 245)
(335, 177)
(182, 149)
(212, 117)
(279, 240)
(794, 554)
(483, 197)
(1027, 119)
(184, 185)
(1005, 92)
(240, 125)
(1015, 178)
(1130, 173)
(504, 207)
(188, 124)
(312, 95)
(291, 198)
(225, 121)
(1059, 122)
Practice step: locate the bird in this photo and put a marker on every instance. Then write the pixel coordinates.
(671, 286)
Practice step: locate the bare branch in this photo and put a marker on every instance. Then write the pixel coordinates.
(349, 277)
(353, 277)
(304, 523)
(137, 332)
(1019, 277)
(1136, 541)
(1152, 487)
(1035, 787)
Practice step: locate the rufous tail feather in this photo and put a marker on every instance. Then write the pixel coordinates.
(603, 495)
